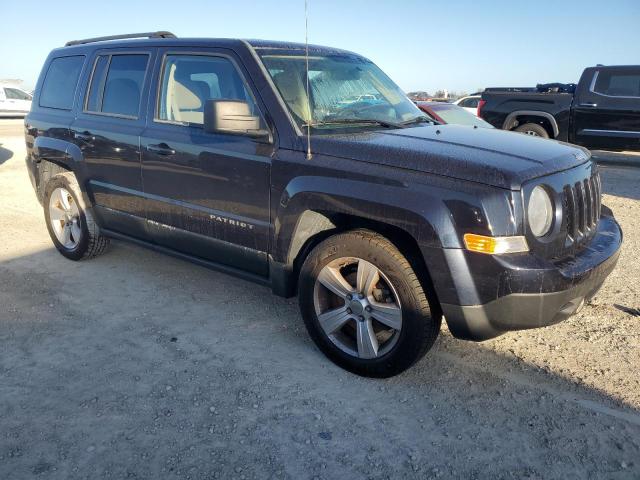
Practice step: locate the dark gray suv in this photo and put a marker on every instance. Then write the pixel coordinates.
(315, 175)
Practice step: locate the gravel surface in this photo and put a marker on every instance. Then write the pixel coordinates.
(138, 365)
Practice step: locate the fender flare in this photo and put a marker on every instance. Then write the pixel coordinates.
(57, 151)
(64, 154)
(508, 122)
(308, 204)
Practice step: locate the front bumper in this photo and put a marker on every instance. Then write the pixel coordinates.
(530, 292)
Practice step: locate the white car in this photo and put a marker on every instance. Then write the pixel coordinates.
(470, 103)
(14, 102)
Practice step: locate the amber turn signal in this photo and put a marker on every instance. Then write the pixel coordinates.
(495, 245)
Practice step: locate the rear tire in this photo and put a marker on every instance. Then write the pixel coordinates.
(383, 298)
(72, 228)
(533, 129)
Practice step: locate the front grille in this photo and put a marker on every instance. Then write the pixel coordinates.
(581, 209)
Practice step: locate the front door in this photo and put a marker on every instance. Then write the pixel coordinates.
(207, 194)
(606, 111)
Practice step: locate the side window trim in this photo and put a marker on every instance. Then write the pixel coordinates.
(161, 71)
(85, 106)
(592, 89)
(106, 73)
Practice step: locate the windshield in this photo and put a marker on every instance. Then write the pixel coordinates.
(343, 88)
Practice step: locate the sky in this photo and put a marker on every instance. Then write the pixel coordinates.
(459, 45)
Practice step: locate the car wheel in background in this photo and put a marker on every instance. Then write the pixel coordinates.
(533, 129)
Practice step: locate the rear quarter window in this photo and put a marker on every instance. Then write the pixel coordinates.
(60, 82)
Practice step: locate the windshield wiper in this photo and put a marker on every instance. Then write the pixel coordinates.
(355, 121)
(420, 120)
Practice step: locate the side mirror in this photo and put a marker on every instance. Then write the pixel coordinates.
(234, 117)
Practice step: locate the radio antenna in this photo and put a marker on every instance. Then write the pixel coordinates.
(306, 58)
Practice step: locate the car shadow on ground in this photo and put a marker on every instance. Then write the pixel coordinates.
(5, 154)
(152, 341)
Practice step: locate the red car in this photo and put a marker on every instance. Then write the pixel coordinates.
(450, 113)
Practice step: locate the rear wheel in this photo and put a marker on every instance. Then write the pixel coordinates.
(533, 129)
(72, 228)
(364, 306)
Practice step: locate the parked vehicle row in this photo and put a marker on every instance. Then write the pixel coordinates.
(344, 192)
(601, 112)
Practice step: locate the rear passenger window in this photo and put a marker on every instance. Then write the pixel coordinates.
(116, 85)
(60, 82)
(618, 83)
(188, 81)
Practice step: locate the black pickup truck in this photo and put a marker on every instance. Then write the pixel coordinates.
(342, 191)
(601, 112)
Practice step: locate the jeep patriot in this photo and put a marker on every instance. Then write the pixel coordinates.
(316, 176)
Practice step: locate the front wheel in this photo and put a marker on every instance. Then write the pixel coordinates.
(364, 306)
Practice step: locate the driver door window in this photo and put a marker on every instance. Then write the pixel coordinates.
(188, 81)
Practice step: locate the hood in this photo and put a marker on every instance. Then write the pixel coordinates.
(485, 155)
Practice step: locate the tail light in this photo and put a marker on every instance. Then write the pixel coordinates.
(480, 105)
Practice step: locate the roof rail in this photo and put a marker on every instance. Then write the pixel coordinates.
(120, 37)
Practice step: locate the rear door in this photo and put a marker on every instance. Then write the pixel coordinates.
(606, 109)
(207, 194)
(107, 130)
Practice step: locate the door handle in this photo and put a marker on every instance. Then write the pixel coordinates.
(85, 137)
(591, 105)
(161, 149)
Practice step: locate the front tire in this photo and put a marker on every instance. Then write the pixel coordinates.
(364, 306)
(71, 227)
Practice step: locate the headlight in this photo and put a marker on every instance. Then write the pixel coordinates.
(540, 212)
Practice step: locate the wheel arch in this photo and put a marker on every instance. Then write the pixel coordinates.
(53, 156)
(314, 225)
(547, 120)
(47, 169)
(58, 151)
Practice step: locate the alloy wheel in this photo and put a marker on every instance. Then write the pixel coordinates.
(357, 307)
(64, 216)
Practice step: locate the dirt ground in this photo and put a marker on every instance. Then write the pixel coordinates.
(138, 365)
